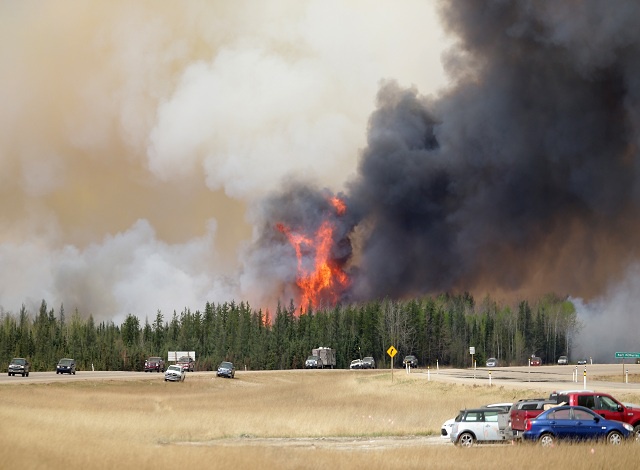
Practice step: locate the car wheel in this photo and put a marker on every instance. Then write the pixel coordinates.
(614, 438)
(547, 440)
(466, 440)
(636, 431)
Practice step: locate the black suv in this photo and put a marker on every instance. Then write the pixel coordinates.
(410, 361)
(66, 366)
(19, 365)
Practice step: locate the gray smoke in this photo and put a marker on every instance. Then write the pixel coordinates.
(522, 177)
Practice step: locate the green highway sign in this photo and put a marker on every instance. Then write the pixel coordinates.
(625, 355)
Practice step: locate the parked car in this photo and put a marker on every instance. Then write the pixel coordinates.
(492, 362)
(154, 363)
(19, 365)
(313, 362)
(368, 363)
(410, 361)
(187, 363)
(445, 430)
(575, 423)
(480, 425)
(226, 369)
(356, 364)
(527, 408)
(66, 366)
(174, 373)
(563, 360)
(535, 361)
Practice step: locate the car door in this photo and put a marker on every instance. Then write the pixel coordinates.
(561, 423)
(587, 425)
(491, 427)
(608, 408)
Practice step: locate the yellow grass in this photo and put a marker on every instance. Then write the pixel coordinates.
(209, 422)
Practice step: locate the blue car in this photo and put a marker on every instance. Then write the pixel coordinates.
(575, 423)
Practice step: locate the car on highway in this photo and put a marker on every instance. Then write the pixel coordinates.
(480, 425)
(154, 363)
(445, 429)
(368, 363)
(492, 362)
(582, 362)
(356, 364)
(410, 361)
(187, 363)
(313, 362)
(535, 361)
(19, 365)
(226, 369)
(563, 360)
(174, 373)
(66, 366)
(575, 423)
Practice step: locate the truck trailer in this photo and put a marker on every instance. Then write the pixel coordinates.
(327, 355)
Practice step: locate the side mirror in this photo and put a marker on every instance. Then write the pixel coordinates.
(596, 419)
(620, 408)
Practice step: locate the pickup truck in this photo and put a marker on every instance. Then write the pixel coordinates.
(526, 409)
(603, 404)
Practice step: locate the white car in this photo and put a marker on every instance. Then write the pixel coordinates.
(445, 430)
(356, 364)
(174, 373)
(481, 425)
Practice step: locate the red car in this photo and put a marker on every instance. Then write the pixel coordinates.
(535, 361)
(154, 364)
(188, 364)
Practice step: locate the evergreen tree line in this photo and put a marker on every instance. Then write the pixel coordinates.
(438, 330)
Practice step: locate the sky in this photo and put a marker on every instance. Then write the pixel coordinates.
(147, 147)
(135, 136)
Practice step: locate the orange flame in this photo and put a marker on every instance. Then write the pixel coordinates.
(326, 280)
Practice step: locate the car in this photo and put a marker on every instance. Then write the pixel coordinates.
(368, 363)
(480, 425)
(19, 365)
(563, 360)
(410, 361)
(66, 366)
(535, 361)
(174, 373)
(154, 363)
(226, 369)
(582, 362)
(187, 363)
(575, 423)
(445, 429)
(356, 364)
(492, 362)
(313, 362)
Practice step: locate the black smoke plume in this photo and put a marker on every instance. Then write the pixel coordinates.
(521, 177)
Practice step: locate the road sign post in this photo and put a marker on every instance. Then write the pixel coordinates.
(626, 355)
(392, 352)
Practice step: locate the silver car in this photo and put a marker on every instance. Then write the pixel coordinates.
(480, 425)
(445, 430)
(174, 373)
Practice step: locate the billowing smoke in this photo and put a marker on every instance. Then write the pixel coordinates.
(134, 135)
(522, 177)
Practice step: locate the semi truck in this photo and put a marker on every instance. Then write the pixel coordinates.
(327, 355)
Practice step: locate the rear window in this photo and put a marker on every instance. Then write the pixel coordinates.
(491, 416)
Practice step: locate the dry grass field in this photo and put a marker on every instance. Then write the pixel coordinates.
(276, 419)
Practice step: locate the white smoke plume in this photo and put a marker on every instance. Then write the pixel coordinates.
(134, 135)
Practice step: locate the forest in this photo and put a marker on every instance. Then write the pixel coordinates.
(438, 330)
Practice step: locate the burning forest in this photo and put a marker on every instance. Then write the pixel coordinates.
(521, 178)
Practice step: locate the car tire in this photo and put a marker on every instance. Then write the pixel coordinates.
(466, 439)
(636, 432)
(614, 438)
(23, 374)
(547, 440)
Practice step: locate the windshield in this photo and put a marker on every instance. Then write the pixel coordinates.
(66, 362)
(176, 368)
(151, 359)
(226, 365)
(184, 359)
(19, 361)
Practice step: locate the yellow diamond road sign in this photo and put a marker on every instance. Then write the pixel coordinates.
(392, 351)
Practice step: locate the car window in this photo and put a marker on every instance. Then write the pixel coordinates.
(560, 414)
(529, 406)
(473, 416)
(490, 416)
(607, 403)
(588, 401)
(582, 414)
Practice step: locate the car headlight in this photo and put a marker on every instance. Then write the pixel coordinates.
(628, 427)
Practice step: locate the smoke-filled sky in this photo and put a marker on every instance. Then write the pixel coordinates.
(135, 136)
(147, 150)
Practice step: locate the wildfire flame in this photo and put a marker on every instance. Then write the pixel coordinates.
(326, 279)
